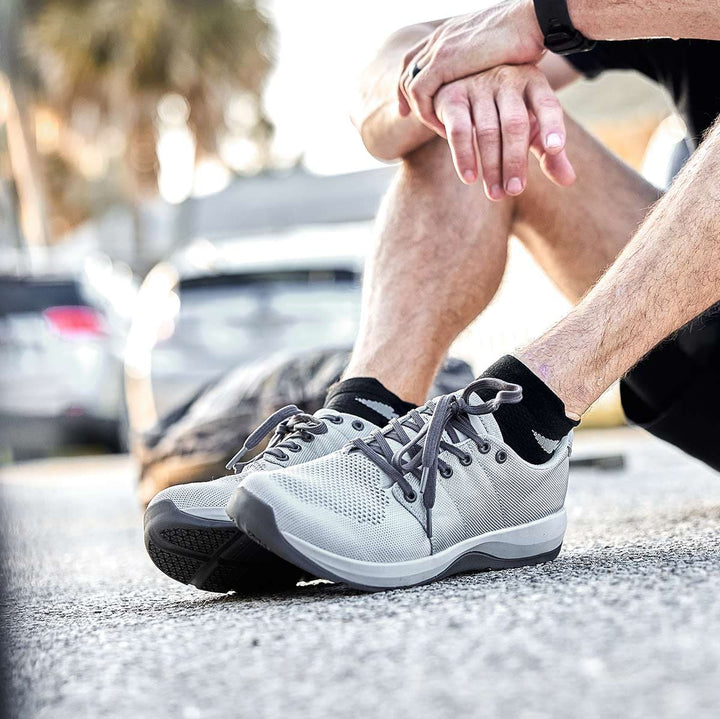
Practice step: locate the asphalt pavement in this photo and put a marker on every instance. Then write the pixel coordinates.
(626, 623)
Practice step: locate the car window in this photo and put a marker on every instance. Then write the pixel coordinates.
(254, 296)
(29, 295)
(268, 278)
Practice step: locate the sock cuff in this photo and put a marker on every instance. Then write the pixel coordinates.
(511, 369)
(369, 387)
(367, 397)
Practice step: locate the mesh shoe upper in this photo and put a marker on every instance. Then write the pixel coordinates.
(348, 504)
(209, 498)
(339, 503)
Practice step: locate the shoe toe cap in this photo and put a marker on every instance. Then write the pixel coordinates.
(202, 498)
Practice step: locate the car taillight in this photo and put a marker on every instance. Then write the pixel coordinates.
(75, 321)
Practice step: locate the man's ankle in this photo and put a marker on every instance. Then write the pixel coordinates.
(535, 426)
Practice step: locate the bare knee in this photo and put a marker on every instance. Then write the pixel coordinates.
(429, 190)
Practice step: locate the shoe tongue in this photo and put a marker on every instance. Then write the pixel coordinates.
(410, 432)
(325, 412)
(484, 424)
(320, 447)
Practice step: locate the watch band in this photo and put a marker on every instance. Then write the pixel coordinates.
(561, 36)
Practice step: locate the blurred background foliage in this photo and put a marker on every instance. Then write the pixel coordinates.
(97, 90)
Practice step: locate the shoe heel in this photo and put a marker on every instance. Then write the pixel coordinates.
(535, 539)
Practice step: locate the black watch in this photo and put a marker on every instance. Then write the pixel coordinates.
(561, 36)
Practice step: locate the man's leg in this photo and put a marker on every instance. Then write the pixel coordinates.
(442, 245)
(668, 274)
(576, 233)
(488, 491)
(439, 258)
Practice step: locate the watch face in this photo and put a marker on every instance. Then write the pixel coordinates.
(560, 37)
(565, 41)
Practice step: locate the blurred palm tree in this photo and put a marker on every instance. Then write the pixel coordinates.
(101, 67)
(26, 197)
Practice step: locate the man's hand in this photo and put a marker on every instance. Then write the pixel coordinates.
(505, 34)
(504, 113)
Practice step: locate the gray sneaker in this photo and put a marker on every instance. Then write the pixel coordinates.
(434, 493)
(189, 536)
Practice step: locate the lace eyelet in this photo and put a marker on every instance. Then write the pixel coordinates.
(485, 447)
(500, 456)
(283, 457)
(466, 461)
(410, 497)
(335, 420)
(308, 438)
(446, 472)
(295, 448)
(358, 425)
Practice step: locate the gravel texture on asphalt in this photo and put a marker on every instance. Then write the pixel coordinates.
(626, 623)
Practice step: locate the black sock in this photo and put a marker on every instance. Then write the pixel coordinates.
(534, 426)
(366, 398)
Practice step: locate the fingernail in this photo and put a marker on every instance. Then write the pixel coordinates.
(514, 186)
(469, 176)
(496, 192)
(553, 140)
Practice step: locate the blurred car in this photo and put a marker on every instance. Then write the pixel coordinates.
(60, 366)
(217, 305)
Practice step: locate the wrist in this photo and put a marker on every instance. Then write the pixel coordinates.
(560, 33)
(528, 22)
(580, 13)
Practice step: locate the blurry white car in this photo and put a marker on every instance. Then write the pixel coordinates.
(217, 305)
(60, 365)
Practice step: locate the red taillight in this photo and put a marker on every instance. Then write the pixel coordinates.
(75, 320)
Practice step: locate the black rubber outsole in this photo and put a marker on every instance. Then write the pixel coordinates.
(257, 520)
(212, 555)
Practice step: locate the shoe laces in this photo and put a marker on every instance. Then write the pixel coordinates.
(419, 456)
(289, 424)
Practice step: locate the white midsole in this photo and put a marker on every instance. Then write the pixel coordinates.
(217, 513)
(522, 541)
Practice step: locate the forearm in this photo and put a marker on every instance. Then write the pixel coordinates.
(386, 134)
(668, 274)
(632, 19)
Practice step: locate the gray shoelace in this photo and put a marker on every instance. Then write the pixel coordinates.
(289, 424)
(420, 456)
